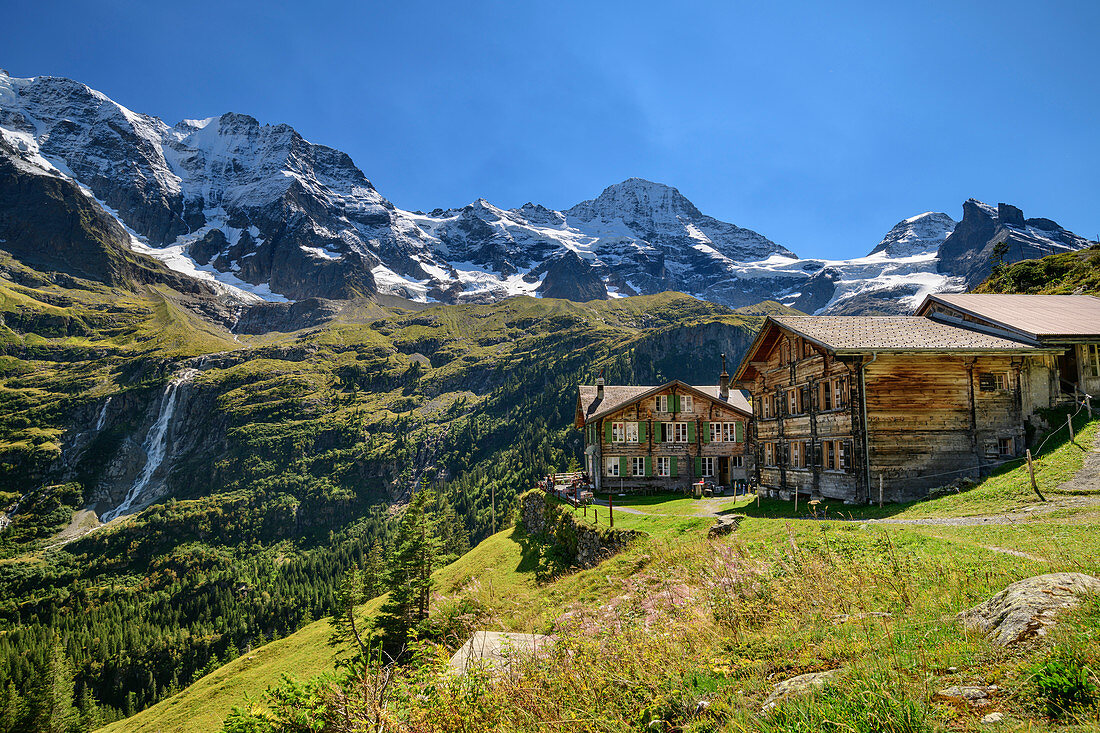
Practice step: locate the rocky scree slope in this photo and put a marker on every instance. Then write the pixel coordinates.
(259, 208)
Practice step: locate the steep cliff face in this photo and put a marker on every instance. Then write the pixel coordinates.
(48, 223)
(970, 251)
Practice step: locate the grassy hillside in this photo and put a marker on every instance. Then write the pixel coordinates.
(679, 619)
(293, 445)
(1069, 272)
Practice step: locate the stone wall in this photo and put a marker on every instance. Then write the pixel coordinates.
(548, 521)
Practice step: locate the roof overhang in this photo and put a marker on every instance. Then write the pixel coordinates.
(684, 387)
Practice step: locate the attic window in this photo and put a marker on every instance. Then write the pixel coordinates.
(662, 403)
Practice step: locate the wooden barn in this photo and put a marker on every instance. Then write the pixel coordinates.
(664, 438)
(842, 403)
(1070, 323)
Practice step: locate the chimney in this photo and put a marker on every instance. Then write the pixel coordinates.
(724, 381)
(599, 386)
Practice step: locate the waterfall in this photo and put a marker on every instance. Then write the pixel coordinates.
(102, 416)
(156, 443)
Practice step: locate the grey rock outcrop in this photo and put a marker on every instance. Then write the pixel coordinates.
(969, 251)
(799, 685)
(724, 525)
(1025, 611)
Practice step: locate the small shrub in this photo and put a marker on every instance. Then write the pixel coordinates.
(1065, 684)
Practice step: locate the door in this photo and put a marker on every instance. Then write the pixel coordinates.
(1067, 369)
(723, 471)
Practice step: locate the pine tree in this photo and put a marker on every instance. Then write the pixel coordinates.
(349, 595)
(55, 712)
(410, 581)
(12, 708)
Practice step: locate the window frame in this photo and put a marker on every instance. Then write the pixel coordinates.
(611, 466)
(1091, 360)
(664, 466)
(737, 461)
(710, 466)
(686, 403)
(637, 465)
(631, 429)
(661, 403)
(618, 431)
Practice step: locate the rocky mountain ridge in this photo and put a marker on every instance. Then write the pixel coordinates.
(268, 215)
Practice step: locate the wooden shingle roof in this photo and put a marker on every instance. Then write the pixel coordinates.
(1037, 316)
(616, 397)
(863, 334)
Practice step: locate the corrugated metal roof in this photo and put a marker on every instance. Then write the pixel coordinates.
(1040, 316)
(895, 333)
(616, 397)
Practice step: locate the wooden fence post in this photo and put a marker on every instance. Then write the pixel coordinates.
(880, 491)
(1088, 405)
(1069, 424)
(1031, 472)
(611, 511)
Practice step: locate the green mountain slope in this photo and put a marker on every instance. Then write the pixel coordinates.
(678, 619)
(289, 448)
(1067, 273)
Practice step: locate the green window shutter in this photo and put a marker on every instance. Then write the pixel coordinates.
(739, 432)
(674, 469)
(648, 466)
(707, 437)
(691, 431)
(698, 466)
(642, 431)
(624, 464)
(675, 403)
(607, 431)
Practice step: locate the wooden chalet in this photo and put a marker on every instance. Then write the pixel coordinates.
(842, 403)
(1070, 323)
(664, 438)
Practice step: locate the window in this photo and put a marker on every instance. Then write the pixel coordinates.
(662, 403)
(831, 455)
(1006, 446)
(769, 454)
(618, 432)
(769, 406)
(685, 403)
(839, 397)
(679, 432)
(664, 466)
(798, 455)
(991, 382)
(637, 466)
(1091, 361)
(632, 432)
(726, 432)
(792, 401)
(710, 465)
(612, 463)
(826, 399)
(737, 462)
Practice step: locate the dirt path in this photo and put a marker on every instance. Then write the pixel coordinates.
(706, 508)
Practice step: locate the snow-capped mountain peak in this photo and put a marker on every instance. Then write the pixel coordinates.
(258, 207)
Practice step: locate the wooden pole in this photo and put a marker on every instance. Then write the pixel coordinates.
(796, 500)
(595, 515)
(1031, 472)
(1088, 405)
(880, 491)
(611, 511)
(1069, 424)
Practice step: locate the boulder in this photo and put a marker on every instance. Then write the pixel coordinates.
(724, 525)
(1023, 612)
(799, 685)
(976, 695)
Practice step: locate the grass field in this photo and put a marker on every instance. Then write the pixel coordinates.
(784, 595)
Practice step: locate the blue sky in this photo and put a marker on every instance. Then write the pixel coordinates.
(819, 125)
